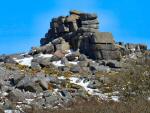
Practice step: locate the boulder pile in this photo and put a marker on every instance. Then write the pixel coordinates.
(80, 30)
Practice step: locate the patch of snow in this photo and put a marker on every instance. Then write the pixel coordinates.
(61, 78)
(4, 93)
(115, 98)
(74, 62)
(133, 50)
(24, 54)
(133, 56)
(73, 79)
(29, 101)
(11, 111)
(94, 92)
(93, 61)
(19, 102)
(45, 55)
(115, 92)
(2, 103)
(84, 84)
(148, 98)
(55, 91)
(57, 63)
(69, 52)
(19, 108)
(2, 69)
(40, 95)
(24, 61)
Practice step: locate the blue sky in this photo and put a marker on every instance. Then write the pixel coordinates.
(24, 22)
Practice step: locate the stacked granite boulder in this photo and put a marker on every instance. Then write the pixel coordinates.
(80, 30)
(130, 48)
(136, 47)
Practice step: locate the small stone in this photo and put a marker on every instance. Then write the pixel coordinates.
(44, 84)
(35, 65)
(65, 94)
(75, 69)
(94, 84)
(71, 57)
(113, 64)
(82, 57)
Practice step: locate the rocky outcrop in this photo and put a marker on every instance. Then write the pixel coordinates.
(80, 30)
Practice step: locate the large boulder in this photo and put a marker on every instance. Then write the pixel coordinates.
(59, 54)
(29, 84)
(96, 67)
(89, 22)
(46, 49)
(64, 46)
(88, 16)
(15, 78)
(38, 62)
(8, 59)
(114, 64)
(94, 26)
(16, 96)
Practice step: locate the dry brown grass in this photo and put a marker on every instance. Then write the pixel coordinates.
(93, 106)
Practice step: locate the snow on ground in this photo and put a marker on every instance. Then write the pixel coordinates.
(115, 98)
(74, 62)
(133, 56)
(83, 83)
(12, 111)
(26, 53)
(61, 78)
(4, 94)
(58, 63)
(24, 61)
(148, 98)
(45, 55)
(27, 61)
(18, 107)
(95, 92)
(69, 52)
(29, 100)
